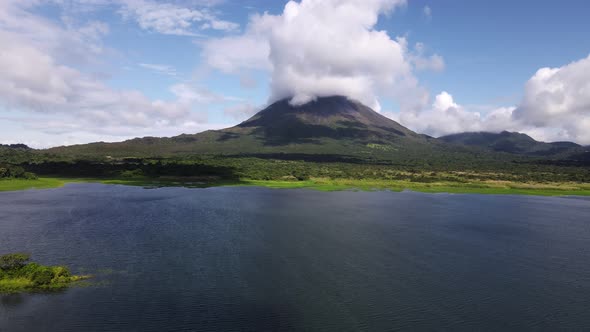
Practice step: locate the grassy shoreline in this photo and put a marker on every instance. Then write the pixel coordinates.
(322, 184)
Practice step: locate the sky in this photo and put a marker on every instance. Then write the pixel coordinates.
(79, 71)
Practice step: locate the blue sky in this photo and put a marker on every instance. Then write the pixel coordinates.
(77, 71)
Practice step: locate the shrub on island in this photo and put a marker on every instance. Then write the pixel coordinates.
(19, 274)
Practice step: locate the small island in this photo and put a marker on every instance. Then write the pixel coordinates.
(19, 274)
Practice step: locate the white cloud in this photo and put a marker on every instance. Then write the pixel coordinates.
(433, 62)
(326, 47)
(421, 61)
(54, 130)
(172, 19)
(555, 107)
(445, 117)
(241, 112)
(313, 48)
(36, 78)
(427, 12)
(32, 80)
(247, 81)
(75, 44)
(249, 51)
(559, 98)
(160, 69)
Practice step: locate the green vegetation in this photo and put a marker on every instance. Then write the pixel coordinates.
(14, 172)
(414, 170)
(429, 185)
(329, 144)
(484, 187)
(18, 274)
(24, 184)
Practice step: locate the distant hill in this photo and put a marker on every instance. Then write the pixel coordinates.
(15, 146)
(15, 153)
(515, 143)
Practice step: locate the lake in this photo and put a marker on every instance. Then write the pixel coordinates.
(237, 258)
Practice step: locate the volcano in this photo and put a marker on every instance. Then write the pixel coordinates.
(329, 125)
(330, 117)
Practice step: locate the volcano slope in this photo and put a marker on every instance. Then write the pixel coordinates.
(329, 128)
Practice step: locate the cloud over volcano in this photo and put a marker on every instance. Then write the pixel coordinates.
(318, 48)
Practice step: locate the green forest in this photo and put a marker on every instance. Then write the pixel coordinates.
(422, 172)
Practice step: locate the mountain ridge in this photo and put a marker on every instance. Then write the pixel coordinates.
(18, 146)
(512, 142)
(327, 127)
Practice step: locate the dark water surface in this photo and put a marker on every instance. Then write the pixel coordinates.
(177, 259)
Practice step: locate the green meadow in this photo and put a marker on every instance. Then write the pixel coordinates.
(323, 184)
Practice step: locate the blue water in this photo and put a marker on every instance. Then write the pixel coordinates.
(176, 259)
